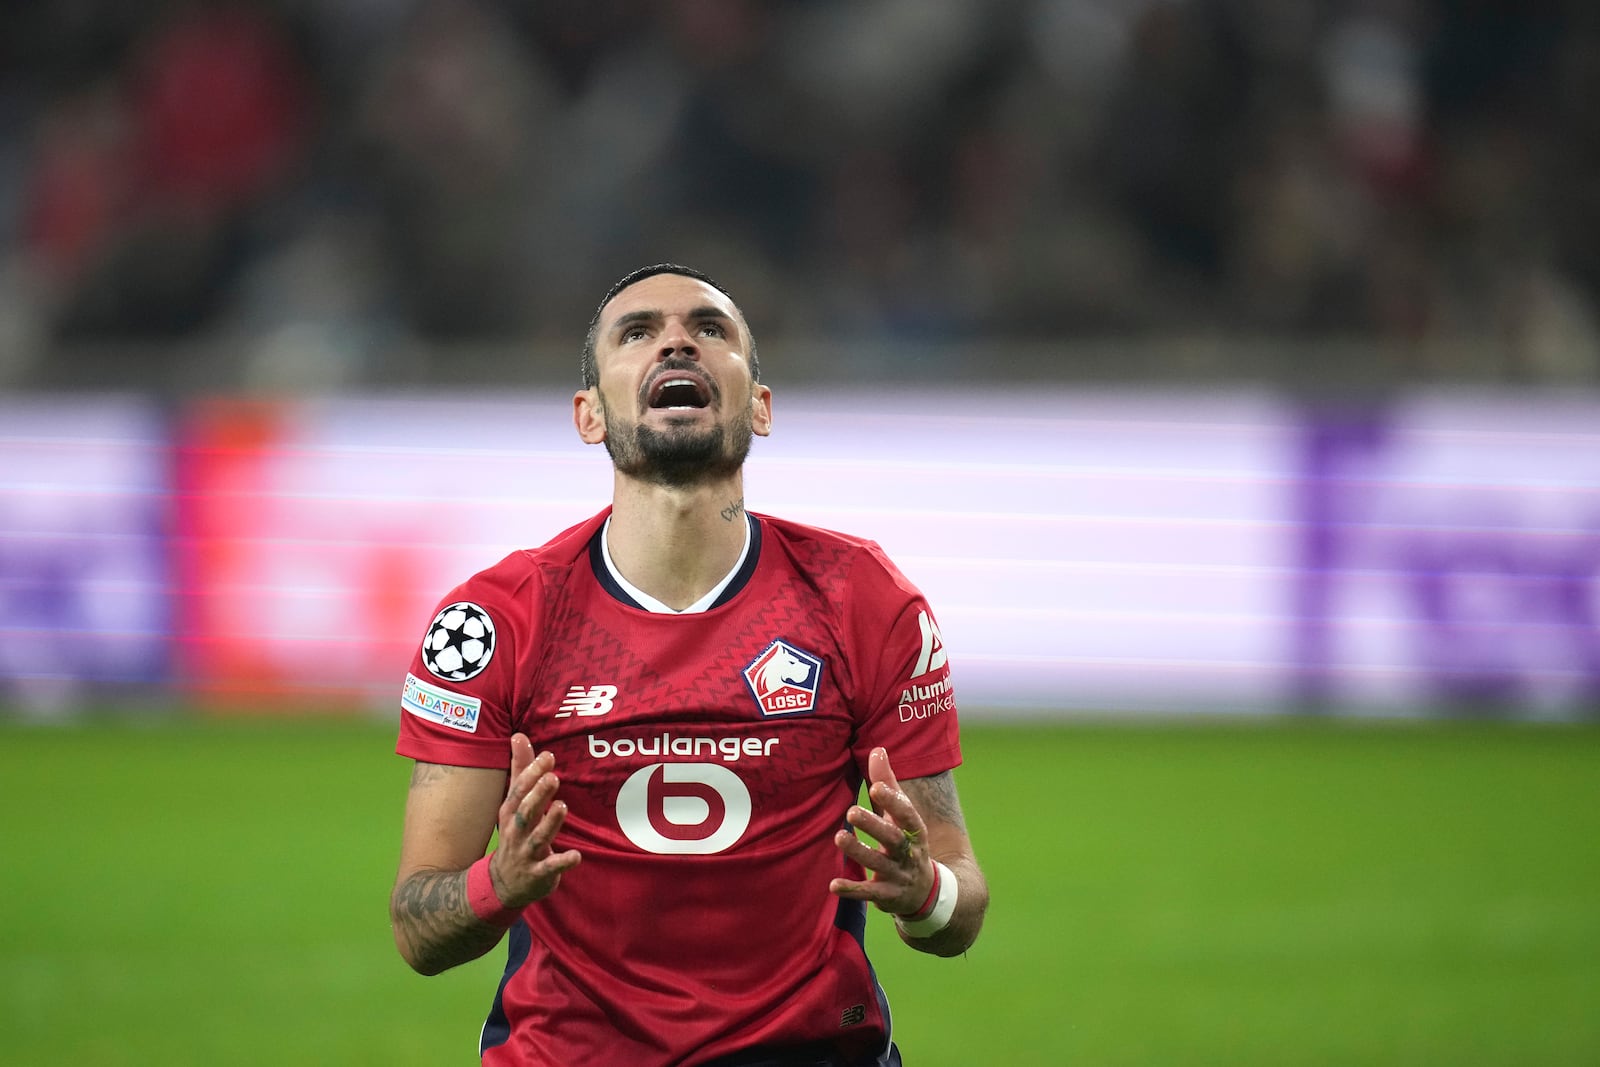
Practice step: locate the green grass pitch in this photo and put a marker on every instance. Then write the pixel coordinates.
(201, 891)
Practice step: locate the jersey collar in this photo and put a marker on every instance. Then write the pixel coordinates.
(619, 587)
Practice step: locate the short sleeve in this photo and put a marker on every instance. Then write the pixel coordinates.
(457, 699)
(904, 698)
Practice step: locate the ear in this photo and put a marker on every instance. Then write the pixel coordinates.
(588, 416)
(761, 410)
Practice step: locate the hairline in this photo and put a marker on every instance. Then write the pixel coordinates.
(589, 368)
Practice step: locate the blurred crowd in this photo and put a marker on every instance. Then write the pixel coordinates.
(358, 190)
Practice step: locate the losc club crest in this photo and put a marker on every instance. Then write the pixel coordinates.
(784, 679)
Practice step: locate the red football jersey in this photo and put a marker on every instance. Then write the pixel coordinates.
(706, 759)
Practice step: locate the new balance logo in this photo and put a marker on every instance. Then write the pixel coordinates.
(932, 656)
(587, 700)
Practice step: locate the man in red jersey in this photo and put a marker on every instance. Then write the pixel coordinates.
(666, 714)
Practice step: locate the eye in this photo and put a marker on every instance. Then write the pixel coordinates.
(712, 329)
(632, 333)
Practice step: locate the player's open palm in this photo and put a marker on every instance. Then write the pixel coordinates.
(901, 867)
(526, 867)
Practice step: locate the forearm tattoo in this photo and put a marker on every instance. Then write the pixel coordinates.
(935, 797)
(431, 910)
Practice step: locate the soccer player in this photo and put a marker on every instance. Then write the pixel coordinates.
(666, 714)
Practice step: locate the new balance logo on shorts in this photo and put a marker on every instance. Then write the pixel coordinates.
(587, 700)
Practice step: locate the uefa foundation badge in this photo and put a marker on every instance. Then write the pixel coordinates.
(784, 679)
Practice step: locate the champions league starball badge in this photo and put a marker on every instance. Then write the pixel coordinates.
(460, 642)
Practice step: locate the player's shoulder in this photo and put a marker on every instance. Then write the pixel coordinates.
(862, 558)
(528, 571)
(799, 534)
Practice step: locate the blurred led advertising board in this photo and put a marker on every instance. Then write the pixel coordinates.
(322, 532)
(85, 595)
(1448, 551)
(1080, 551)
(1117, 550)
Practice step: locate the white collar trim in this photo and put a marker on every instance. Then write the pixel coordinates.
(650, 603)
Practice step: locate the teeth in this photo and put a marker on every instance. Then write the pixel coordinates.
(666, 384)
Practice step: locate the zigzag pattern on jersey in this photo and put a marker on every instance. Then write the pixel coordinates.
(826, 563)
(715, 696)
(575, 641)
(804, 612)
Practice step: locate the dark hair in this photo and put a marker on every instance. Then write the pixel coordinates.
(591, 373)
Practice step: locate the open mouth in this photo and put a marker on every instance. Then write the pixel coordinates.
(679, 391)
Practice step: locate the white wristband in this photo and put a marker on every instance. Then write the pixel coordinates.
(943, 909)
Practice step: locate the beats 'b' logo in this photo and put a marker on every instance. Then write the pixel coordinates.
(683, 809)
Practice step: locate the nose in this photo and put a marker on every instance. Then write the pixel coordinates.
(676, 340)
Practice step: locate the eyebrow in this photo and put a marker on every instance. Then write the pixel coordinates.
(702, 313)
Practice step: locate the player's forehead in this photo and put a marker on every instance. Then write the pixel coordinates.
(665, 294)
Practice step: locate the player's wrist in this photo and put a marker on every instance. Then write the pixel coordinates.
(932, 898)
(938, 910)
(485, 900)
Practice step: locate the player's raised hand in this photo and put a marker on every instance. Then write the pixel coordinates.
(901, 866)
(526, 867)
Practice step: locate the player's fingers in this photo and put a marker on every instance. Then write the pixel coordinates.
(537, 796)
(873, 859)
(527, 779)
(556, 864)
(546, 873)
(871, 892)
(527, 794)
(542, 826)
(879, 769)
(521, 754)
(892, 801)
(856, 849)
(897, 842)
(533, 770)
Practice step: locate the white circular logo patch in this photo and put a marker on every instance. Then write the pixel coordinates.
(460, 642)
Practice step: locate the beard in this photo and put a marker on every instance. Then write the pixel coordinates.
(678, 457)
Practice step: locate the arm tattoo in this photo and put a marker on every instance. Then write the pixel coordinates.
(431, 909)
(733, 510)
(426, 773)
(935, 797)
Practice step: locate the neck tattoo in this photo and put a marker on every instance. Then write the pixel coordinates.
(733, 510)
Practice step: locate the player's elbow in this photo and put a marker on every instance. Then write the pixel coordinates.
(403, 944)
(426, 968)
(972, 925)
(424, 963)
(416, 958)
(412, 960)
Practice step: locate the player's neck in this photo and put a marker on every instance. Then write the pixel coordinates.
(676, 544)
